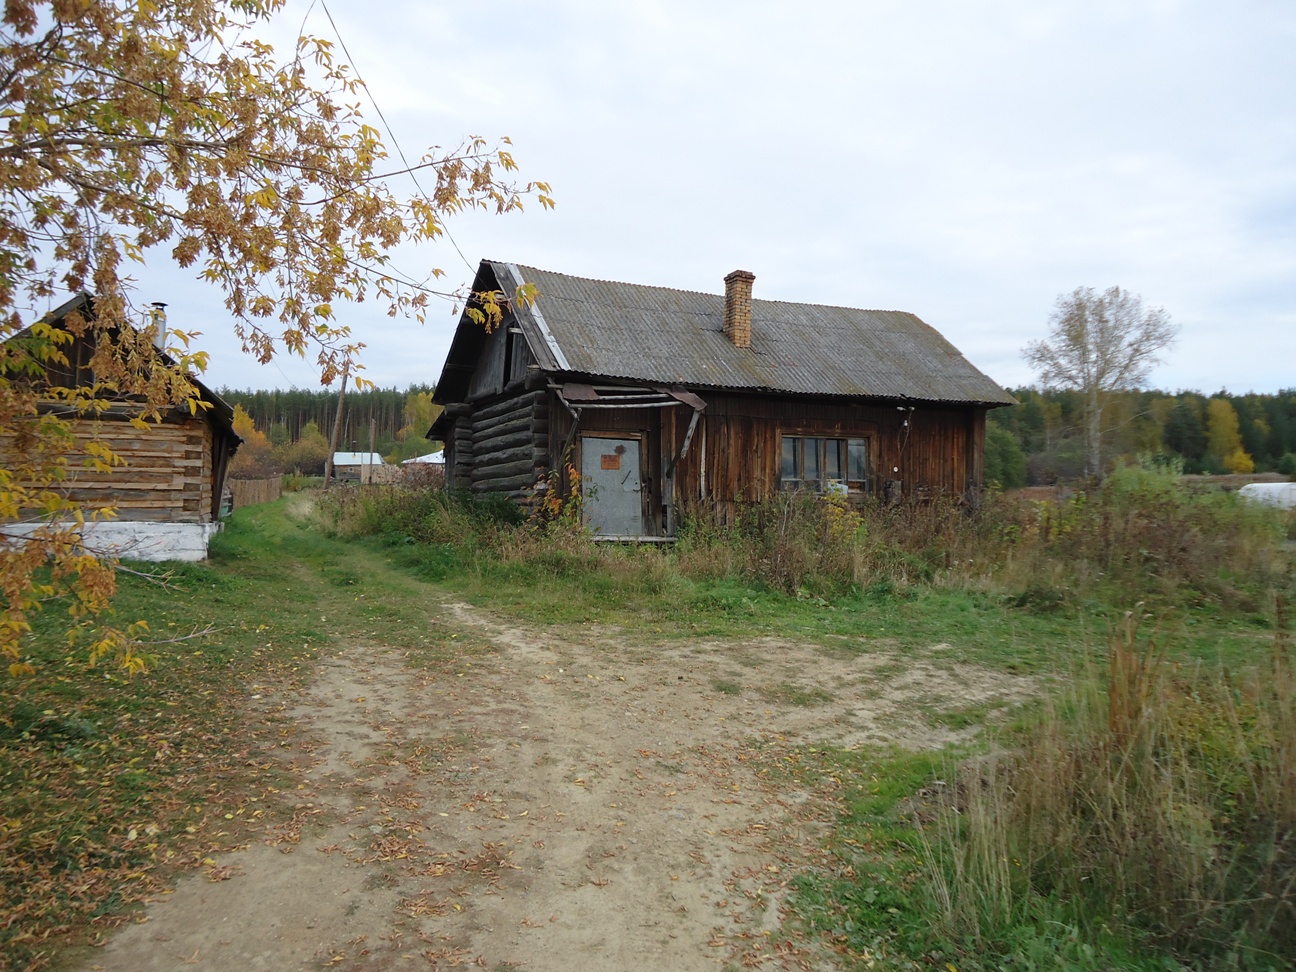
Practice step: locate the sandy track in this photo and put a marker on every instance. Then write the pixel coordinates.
(567, 801)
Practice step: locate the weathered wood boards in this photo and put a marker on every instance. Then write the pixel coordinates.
(167, 473)
(726, 400)
(503, 447)
(250, 492)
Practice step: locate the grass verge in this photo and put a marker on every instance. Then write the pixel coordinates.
(1152, 802)
(1022, 588)
(1142, 819)
(108, 783)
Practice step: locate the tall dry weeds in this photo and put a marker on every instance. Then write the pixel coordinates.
(1149, 799)
(1143, 534)
(799, 542)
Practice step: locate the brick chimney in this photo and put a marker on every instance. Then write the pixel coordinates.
(737, 312)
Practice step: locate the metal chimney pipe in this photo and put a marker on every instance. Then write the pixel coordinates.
(158, 317)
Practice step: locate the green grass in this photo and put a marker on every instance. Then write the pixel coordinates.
(964, 717)
(794, 695)
(1148, 802)
(108, 782)
(980, 627)
(863, 903)
(871, 902)
(88, 757)
(1140, 821)
(1018, 589)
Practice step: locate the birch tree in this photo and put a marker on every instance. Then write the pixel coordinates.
(1099, 344)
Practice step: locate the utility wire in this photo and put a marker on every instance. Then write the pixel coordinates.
(390, 131)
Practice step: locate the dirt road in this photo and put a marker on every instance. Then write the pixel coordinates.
(564, 801)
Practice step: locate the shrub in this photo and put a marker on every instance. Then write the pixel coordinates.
(1005, 462)
(803, 542)
(308, 455)
(1143, 531)
(789, 543)
(399, 513)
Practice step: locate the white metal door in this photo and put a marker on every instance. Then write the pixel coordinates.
(610, 469)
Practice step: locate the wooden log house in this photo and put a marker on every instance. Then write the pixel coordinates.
(166, 498)
(665, 399)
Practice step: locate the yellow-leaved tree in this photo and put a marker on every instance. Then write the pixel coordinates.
(166, 129)
(255, 453)
(420, 413)
(1223, 439)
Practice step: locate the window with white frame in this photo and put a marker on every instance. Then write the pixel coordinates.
(824, 463)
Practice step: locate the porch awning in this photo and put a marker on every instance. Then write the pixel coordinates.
(579, 395)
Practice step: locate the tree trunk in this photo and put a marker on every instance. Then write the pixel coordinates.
(337, 426)
(1095, 435)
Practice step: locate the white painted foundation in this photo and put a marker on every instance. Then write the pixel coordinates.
(138, 540)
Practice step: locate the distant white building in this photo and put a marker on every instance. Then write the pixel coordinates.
(434, 458)
(358, 466)
(1281, 495)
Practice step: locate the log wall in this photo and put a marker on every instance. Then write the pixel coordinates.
(508, 444)
(500, 446)
(168, 476)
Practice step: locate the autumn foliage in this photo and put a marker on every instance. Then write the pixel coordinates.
(170, 130)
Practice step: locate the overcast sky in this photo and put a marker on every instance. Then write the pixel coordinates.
(966, 161)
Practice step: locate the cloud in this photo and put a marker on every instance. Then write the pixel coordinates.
(967, 162)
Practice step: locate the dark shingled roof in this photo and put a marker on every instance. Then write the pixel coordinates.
(623, 331)
(220, 414)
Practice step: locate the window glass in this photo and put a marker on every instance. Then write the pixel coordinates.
(813, 459)
(790, 444)
(833, 449)
(858, 462)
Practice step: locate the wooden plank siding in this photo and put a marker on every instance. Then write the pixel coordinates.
(736, 454)
(168, 475)
(250, 492)
(511, 429)
(634, 361)
(507, 444)
(172, 471)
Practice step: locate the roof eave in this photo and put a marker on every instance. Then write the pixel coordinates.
(589, 376)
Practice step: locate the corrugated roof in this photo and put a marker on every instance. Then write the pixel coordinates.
(357, 459)
(654, 334)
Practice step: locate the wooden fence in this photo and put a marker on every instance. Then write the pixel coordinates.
(249, 492)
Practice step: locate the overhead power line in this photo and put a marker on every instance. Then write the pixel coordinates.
(391, 134)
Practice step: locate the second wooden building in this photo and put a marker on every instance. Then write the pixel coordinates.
(662, 400)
